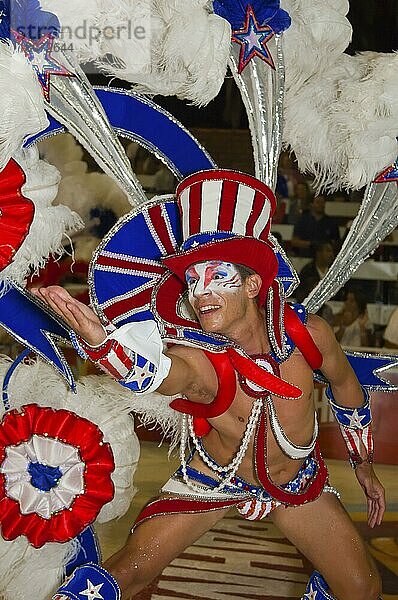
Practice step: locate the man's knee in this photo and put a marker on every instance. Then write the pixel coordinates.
(365, 588)
(356, 587)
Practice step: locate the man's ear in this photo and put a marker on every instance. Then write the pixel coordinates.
(253, 285)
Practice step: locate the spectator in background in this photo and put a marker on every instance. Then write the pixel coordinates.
(354, 327)
(314, 226)
(391, 332)
(316, 269)
(300, 203)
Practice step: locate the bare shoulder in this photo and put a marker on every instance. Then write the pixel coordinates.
(191, 374)
(321, 333)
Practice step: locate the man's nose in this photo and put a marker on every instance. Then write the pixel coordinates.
(200, 289)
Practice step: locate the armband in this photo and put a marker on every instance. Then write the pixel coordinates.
(355, 426)
(131, 354)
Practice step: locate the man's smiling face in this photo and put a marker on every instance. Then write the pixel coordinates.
(216, 294)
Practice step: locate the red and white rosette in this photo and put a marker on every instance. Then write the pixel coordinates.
(55, 474)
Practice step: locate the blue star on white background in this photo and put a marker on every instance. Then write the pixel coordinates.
(92, 591)
(253, 39)
(39, 54)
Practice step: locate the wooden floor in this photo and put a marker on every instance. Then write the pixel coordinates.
(155, 468)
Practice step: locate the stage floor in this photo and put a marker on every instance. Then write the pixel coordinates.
(241, 560)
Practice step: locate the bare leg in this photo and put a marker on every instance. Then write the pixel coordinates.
(325, 534)
(153, 545)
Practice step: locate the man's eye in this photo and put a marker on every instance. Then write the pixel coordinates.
(218, 276)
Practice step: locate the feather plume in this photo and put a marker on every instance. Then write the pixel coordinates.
(21, 102)
(50, 223)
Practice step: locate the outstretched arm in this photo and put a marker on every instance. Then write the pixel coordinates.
(129, 354)
(352, 411)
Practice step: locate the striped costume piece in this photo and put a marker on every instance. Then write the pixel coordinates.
(356, 428)
(253, 502)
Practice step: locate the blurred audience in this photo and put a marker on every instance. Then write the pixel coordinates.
(313, 226)
(299, 203)
(391, 331)
(354, 327)
(316, 270)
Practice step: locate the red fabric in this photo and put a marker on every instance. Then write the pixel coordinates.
(302, 339)
(19, 426)
(227, 209)
(16, 212)
(255, 254)
(165, 506)
(225, 393)
(315, 486)
(273, 384)
(238, 177)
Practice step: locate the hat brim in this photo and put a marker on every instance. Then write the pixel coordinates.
(249, 252)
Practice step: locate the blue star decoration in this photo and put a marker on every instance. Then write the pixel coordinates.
(39, 53)
(253, 39)
(388, 175)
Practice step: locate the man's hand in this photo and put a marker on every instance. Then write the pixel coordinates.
(80, 317)
(374, 492)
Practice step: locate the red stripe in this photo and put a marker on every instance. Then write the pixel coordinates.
(258, 204)
(229, 195)
(110, 368)
(124, 306)
(195, 208)
(97, 353)
(167, 506)
(156, 217)
(130, 265)
(351, 442)
(123, 356)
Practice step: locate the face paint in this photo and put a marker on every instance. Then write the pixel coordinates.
(212, 277)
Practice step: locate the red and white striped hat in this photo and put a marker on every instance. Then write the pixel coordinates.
(226, 215)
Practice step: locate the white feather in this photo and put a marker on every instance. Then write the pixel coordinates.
(98, 399)
(50, 223)
(187, 55)
(21, 102)
(27, 572)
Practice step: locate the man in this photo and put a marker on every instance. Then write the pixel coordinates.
(314, 226)
(315, 270)
(239, 460)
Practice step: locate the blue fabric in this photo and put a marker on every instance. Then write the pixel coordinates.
(306, 471)
(317, 588)
(33, 327)
(140, 119)
(89, 551)
(268, 12)
(28, 18)
(88, 580)
(44, 477)
(344, 415)
(205, 238)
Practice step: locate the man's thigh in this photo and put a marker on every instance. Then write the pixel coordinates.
(155, 543)
(323, 531)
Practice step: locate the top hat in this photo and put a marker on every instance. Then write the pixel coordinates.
(226, 215)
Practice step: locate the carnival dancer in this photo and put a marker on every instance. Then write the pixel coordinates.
(252, 423)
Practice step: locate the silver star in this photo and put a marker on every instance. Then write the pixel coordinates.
(92, 591)
(356, 420)
(311, 594)
(142, 373)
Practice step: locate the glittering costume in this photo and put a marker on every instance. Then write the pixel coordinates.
(219, 215)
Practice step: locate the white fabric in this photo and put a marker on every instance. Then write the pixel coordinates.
(144, 338)
(352, 334)
(52, 453)
(391, 332)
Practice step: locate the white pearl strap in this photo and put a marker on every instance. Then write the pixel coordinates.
(230, 469)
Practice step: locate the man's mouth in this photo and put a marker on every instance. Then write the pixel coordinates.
(203, 310)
